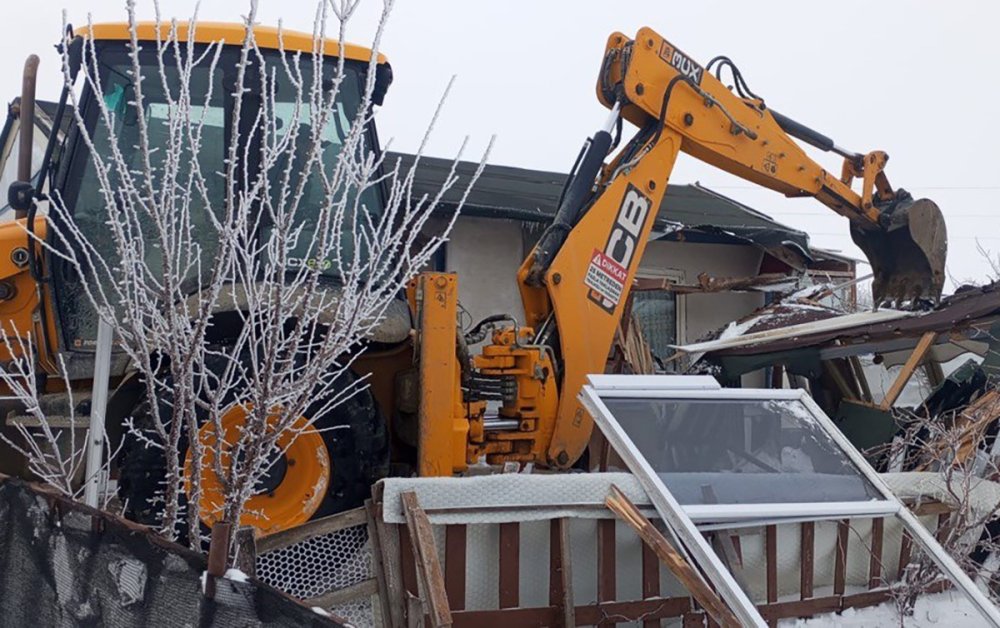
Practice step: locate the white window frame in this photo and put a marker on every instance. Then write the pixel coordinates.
(682, 520)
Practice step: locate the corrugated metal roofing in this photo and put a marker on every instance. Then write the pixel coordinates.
(968, 307)
(795, 332)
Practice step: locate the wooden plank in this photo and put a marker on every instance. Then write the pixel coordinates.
(245, 546)
(365, 588)
(799, 608)
(916, 356)
(846, 389)
(650, 580)
(828, 604)
(868, 598)
(778, 376)
(605, 563)
(561, 573)
(905, 550)
(510, 550)
(388, 578)
(694, 620)
(930, 507)
(414, 612)
(808, 545)
(218, 556)
(942, 527)
(875, 566)
(454, 565)
(538, 617)
(317, 527)
(408, 567)
(653, 609)
(859, 376)
(840, 559)
(430, 579)
(678, 565)
(771, 562)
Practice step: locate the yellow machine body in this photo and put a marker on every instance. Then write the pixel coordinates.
(583, 287)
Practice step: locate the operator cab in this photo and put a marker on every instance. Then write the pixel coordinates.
(73, 175)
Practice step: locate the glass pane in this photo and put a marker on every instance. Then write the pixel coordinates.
(734, 451)
(290, 111)
(90, 205)
(657, 314)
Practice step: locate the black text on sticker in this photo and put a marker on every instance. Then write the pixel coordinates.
(681, 62)
(608, 270)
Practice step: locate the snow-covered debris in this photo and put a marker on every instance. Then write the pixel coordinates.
(949, 609)
(235, 575)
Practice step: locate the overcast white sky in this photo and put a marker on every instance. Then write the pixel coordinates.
(916, 79)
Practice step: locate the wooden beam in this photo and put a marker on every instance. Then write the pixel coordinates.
(509, 559)
(561, 573)
(430, 578)
(650, 580)
(675, 562)
(771, 562)
(833, 370)
(245, 546)
(808, 546)
(316, 527)
(389, 588)
(859, 375)
(605, 563)
(875, 566)
(840, 561)
(905, 551)
(363, 589)
(916, 357)
(454, 565)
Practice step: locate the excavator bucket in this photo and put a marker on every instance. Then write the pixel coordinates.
(907, 254)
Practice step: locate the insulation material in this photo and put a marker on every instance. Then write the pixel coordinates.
(510, 497)
(923, 486)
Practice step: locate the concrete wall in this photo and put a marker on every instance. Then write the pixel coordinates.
(487, 253)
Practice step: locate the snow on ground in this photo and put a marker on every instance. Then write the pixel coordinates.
(949, 609)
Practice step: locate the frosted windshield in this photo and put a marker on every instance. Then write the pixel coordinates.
(740, 451)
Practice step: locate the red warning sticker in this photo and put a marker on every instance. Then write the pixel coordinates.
(606, 277)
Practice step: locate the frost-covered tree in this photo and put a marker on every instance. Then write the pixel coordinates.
(247, 241)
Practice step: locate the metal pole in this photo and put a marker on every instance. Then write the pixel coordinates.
(96, 480)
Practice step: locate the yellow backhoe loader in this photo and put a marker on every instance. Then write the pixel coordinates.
(516, 398)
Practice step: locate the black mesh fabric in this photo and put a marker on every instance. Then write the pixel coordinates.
(63, 564)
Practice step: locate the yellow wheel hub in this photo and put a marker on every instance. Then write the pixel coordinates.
(287, 496)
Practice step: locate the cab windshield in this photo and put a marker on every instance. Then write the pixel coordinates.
(212, 95)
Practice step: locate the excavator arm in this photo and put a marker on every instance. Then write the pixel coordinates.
(576, 282)
(581, 271)
(905, 240)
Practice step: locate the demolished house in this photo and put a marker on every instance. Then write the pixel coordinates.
(710, 260)
(860, 366)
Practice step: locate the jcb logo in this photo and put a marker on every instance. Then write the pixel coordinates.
(624, 238)
(681, 62)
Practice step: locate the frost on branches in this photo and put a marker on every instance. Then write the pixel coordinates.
(244, 239)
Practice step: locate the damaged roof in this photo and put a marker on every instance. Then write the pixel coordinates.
(971, 308)
(533, 196)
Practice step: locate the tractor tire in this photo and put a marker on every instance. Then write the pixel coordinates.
(358, 450)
